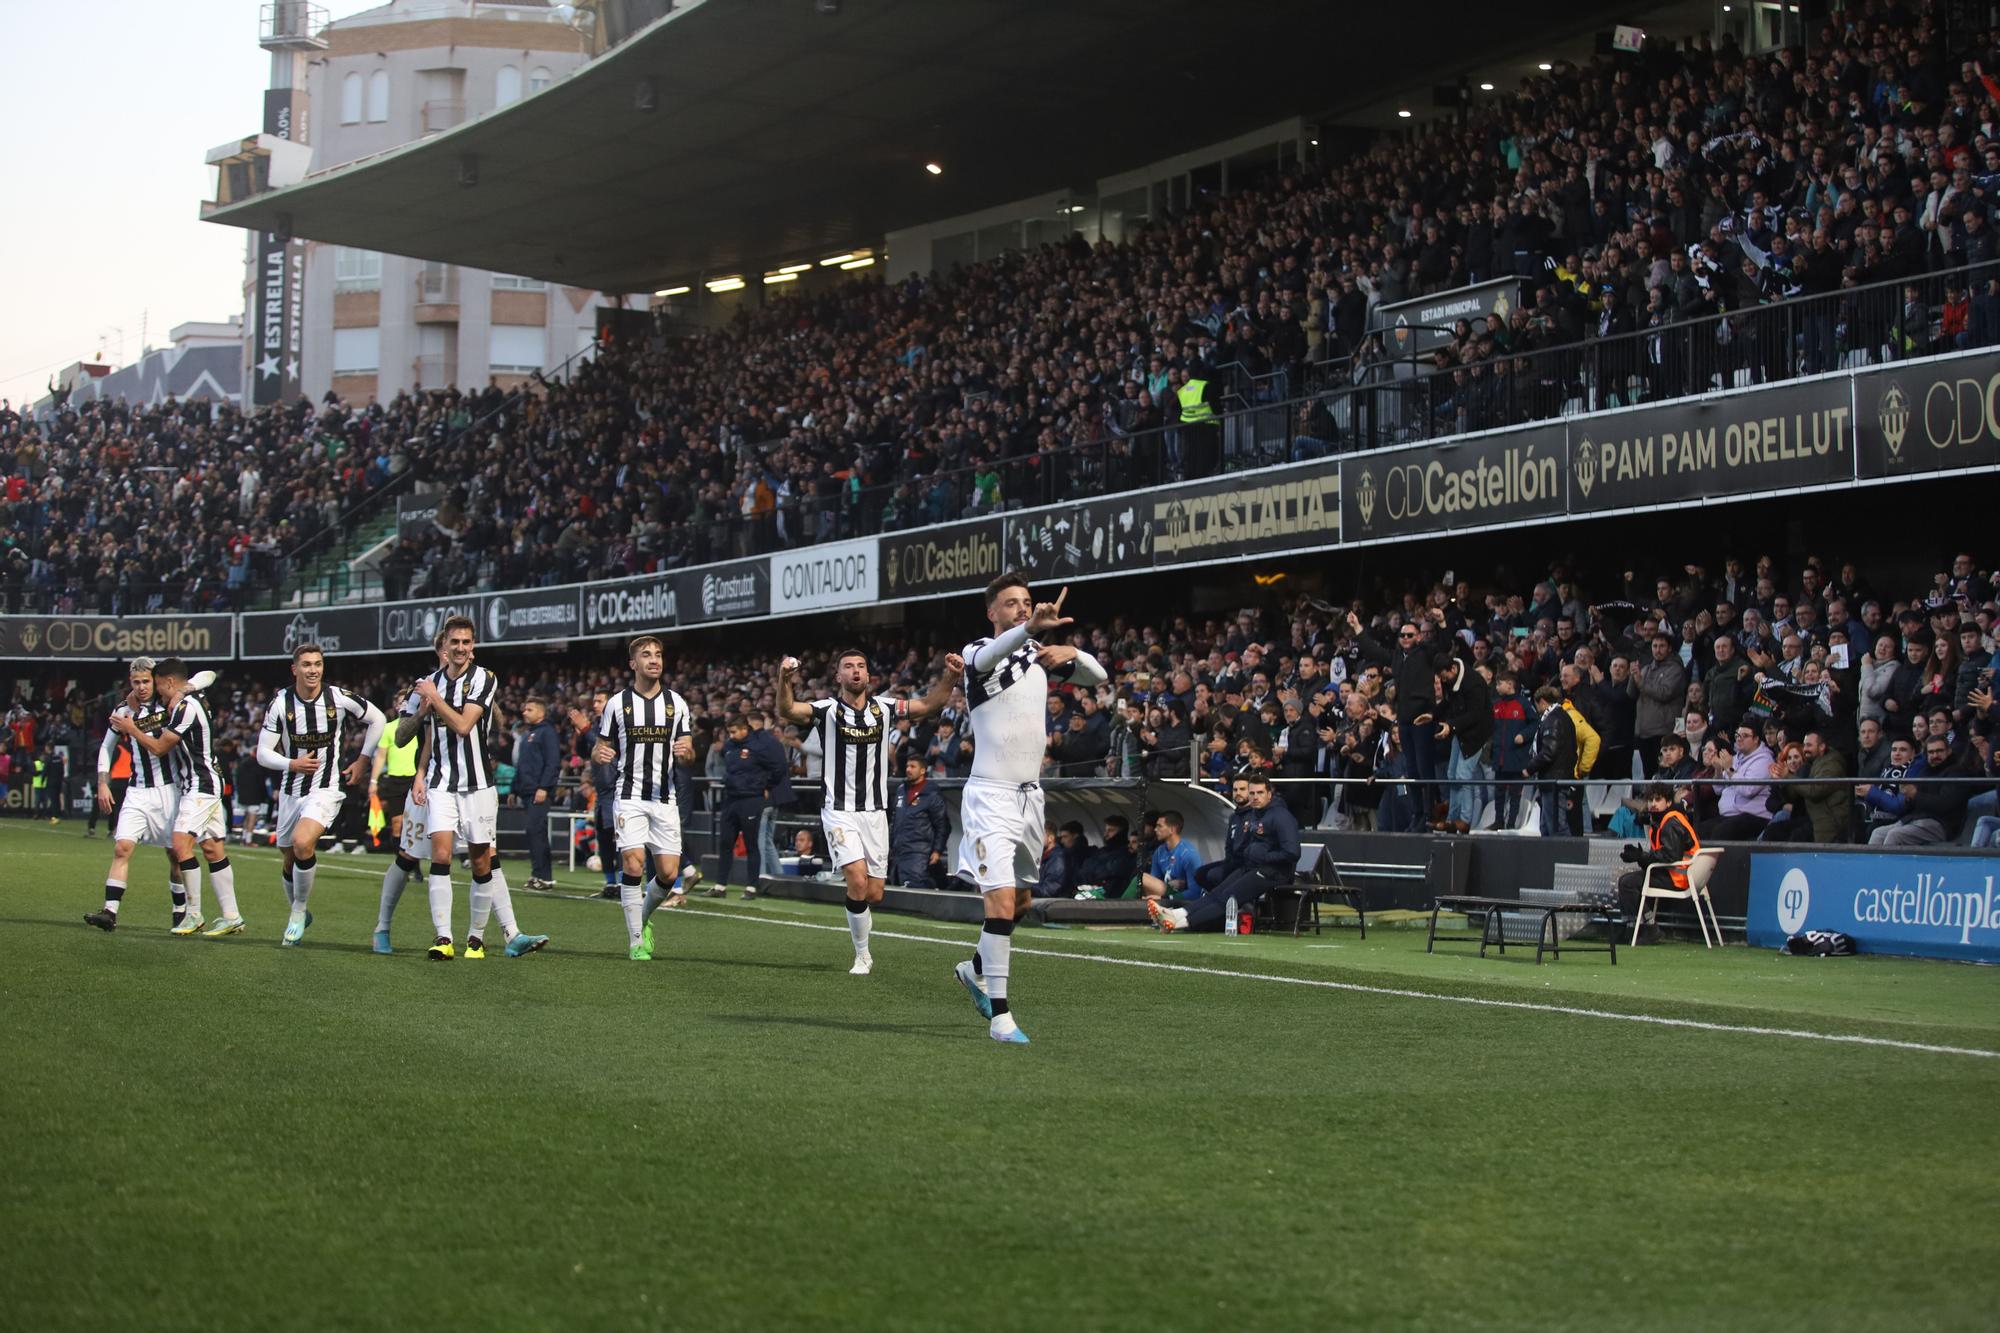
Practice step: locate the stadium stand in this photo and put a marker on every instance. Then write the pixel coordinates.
(1695, 221)
(1294, 695)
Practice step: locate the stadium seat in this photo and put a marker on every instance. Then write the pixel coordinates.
(1700, 868)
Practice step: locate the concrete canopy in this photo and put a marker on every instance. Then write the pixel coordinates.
(779, 131)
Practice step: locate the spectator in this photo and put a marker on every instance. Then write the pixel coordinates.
(1743, 810)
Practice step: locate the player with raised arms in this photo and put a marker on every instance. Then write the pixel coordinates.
(853, 730)
(302, 738)
(145, 812)
(1001, 813)
(645, 729)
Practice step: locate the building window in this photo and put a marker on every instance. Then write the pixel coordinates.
(507, 282)
(517, 349)
(350, 99)
(378, 97)
(538, 79)
(507, 86)
(357, 351)
(356, 270)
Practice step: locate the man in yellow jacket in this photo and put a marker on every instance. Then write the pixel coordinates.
(1587, 745)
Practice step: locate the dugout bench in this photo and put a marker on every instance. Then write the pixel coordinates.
(1547, 938)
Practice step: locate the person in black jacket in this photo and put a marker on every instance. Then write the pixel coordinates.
(750, 772)
(1468, 723)
(918, 828)
(1553, 760)
(1422, 648)
(1210, 875)
(1268, 855)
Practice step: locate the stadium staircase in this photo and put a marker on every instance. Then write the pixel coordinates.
(332, 576)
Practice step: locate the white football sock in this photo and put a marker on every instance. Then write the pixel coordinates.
(501, 899)
(302, 885)
(114, 889)
(656, 893)
(440, 891)
(224, 883)
(482, 906)
(393, 880)
(857, 927)
(632, 897)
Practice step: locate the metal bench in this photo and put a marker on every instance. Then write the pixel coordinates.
(1547, 938)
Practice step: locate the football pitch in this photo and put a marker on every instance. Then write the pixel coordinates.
(1206, 1132)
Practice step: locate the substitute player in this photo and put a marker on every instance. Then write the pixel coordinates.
(144, 810)
(1007, 692)
(853, 730)
(642, 732)
(189, 737)
(455, 703)
(301, 738)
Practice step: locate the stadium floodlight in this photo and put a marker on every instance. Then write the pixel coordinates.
(862, 262)
(729, 284)
(1403, 115)
(795, 268)
(681, 290)
(1545, 65)
(770, 278)
(934, 168)
(1485, 87)
(831, 260)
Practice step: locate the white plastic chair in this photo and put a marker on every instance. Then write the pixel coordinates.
(1699, 868)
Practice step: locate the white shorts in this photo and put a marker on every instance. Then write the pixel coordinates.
(416, 839)
(147, 815)
(321, 805)
(650, 824)
(1000, 824)
(472, 815)
(200, 814)
(858, 835)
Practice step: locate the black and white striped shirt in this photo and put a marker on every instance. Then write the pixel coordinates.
(857, 751)
(459, 764)
(1009, 702)
(195, 759)
(299, 726)
(643, 731)
(147, 772)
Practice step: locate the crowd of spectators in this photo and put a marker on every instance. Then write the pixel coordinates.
(1627, 194)
(1805, 704)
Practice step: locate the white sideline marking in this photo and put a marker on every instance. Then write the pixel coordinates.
(1317, 983)
(1320, 983)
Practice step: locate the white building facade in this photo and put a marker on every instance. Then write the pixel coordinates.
(374, 325)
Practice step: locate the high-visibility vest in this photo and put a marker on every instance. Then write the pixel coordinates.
(1195, 412)
(1694, 843)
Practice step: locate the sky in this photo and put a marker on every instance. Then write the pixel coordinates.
(107, 122)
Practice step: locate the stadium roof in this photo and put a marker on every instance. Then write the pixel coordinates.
(779, 131)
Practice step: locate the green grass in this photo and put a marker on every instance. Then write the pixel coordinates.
(224, 1135)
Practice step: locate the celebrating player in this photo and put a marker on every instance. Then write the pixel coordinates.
(301, 738)
(1007, 691)
(145, 810)
(188, 736)
(644, 730)
(853, 730)
(413, 829)
(456, 704)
